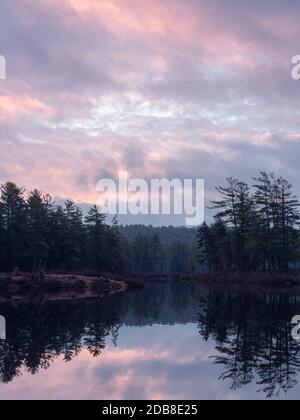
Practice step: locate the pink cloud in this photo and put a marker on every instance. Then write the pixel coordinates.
(155, 87)
(61, 380)
(15, 106)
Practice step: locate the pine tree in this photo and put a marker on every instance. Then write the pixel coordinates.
(75, 237)
(237, 213)
(96, 231)
(13, 214)
(205, 246)
(39, 208)
(113, 245)
(141, 254)
(288, 219)
(2, 238)
(57, 239)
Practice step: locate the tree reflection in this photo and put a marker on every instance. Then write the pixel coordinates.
(253, 338)
(38, 334)
(251, 332)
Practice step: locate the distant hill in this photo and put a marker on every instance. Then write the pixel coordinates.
(167, 234)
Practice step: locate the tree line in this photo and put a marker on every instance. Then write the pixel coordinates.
(256, 227)
(148, 254)
(35, 233)
(161, 250)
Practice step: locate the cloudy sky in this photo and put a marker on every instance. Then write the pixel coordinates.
(160, 88)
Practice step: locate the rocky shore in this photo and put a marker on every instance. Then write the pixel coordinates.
(62, 286)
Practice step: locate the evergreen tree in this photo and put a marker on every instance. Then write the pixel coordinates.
(205, 246)
(57, 239)
(2, 237)
(95, 221)
(255, 229)
(114, 251)
(13, 215)
(75, 237)
(39, 208)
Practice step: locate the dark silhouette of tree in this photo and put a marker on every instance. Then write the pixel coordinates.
(96, 254)
(13, 215)
(254, 230)
(39, 208)
(116, 259)
(36, 234)
(74, 237)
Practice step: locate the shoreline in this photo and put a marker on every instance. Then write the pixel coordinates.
(74, 287)
(288, 279)
(61, 287)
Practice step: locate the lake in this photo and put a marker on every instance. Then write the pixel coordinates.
(172, 341)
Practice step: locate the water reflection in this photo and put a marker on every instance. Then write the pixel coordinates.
(244, 343)
(253, 338)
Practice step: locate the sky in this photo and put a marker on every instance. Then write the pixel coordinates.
(158, 88)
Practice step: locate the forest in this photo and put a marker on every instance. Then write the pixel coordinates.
(255, 228)
(36, 233)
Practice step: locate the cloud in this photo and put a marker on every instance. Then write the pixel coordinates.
(159, 88)
(131, 371)
(18, 106)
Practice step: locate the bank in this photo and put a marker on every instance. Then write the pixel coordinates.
(27, 287)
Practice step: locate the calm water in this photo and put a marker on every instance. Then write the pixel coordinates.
(169, 342)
